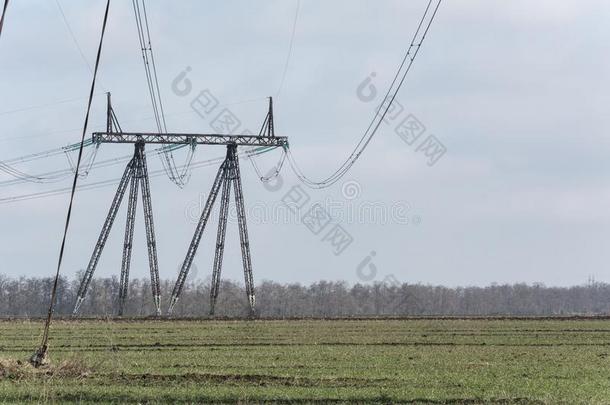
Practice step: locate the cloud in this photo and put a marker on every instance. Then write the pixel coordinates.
(514, 90)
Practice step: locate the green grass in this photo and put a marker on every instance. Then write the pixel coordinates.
(381, 361)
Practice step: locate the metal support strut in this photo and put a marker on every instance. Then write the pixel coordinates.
(136, 176)
(228, 175)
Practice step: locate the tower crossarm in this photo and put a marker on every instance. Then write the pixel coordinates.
(176, 138)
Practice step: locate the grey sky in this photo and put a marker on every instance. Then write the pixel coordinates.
(516, 91)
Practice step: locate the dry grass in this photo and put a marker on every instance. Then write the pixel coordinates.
(20, 369)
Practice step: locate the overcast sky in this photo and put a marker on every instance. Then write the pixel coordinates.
(516, 91)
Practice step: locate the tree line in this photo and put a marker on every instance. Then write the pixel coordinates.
(29, 297)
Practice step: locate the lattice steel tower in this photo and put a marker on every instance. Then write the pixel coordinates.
(136, 176)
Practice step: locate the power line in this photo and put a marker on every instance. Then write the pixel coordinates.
(280, 164)
(58, 175)
(39, 134)
(267, 129)
(401, 74)
(276, 171)
(38, 106)
(154, 67)
(74, 40)
(47, 153)
(67, 24)
(152, 82)
(7, 167)
(290, 47)
(145, 48)
(110, 182)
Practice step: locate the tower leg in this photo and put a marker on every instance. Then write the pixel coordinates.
(190, 255)
(128, 244)
(101, 241)
(150, 227)
(220, 239)
(243, 232)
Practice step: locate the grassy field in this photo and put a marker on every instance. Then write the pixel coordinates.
(381, 361)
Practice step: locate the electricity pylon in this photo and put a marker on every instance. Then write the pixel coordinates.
(136, 176)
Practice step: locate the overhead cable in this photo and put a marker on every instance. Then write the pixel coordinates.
(401, 74)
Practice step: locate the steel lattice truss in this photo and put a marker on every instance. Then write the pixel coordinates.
(136, 177)
(189, 139)
(228, 177)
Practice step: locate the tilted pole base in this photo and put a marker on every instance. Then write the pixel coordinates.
(40, 357)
